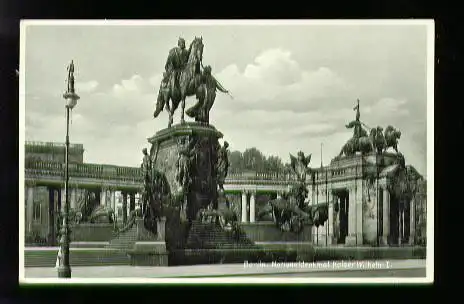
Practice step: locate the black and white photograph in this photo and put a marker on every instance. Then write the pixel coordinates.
(226, 151)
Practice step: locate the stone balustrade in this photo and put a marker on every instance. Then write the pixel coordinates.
(37, 168)
(37, 146)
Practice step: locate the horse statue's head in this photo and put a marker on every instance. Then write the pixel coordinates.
(196, 50)
(392, 134)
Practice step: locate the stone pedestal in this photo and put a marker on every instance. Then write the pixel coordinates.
(149, 249)
(354, 240)
(201, 142)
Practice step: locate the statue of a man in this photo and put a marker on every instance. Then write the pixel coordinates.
(356, 124)
(146, 165)
(222, 165)
(177, 58)
(206, 95)
(183, 163)
(70, 80)
(146, 171)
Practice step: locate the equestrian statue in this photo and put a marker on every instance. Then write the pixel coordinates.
(377, 141)
(183, 77)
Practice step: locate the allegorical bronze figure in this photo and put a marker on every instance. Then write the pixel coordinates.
(70, 79)
(222, 165)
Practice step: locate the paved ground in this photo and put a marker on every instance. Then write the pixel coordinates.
(356, 269)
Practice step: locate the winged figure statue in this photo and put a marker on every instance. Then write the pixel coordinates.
(300, 164)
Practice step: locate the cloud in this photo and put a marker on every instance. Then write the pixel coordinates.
(87, 87)
(135, 85)
(279, 106)
(276, 82)
(275, 67)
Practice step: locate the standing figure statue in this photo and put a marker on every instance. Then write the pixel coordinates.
(360, 140)
(299, 165)
(357, 124)
(184, 161)
(182, 77)
(146, 171)
(222, 165)
(70, 80)
(206, 95)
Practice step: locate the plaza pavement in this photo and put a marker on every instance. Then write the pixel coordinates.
(367, 268)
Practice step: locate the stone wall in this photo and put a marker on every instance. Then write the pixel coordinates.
(269, 232)
(92, 232)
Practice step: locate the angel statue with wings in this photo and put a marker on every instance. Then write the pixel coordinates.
(300, 164)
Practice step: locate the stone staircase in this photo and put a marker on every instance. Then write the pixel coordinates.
(46, 257)
(125, 240)
(211, 236)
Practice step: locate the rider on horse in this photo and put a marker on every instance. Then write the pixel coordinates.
(177, 58)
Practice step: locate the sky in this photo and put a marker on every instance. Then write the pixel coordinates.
(293, 86)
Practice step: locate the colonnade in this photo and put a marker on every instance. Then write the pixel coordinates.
(45, 211)
(248, 206)
(355, 215)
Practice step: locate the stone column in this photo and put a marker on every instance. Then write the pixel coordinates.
(386, 217)
(131, 202)
(330, 221)
(62, 198)
(351, 238)
(124, 207)
(103, 197)
(244, 207)
(30, 208)
(252, 207)
(412, 222)
(73, 202)
(51, 217)
(113, 200)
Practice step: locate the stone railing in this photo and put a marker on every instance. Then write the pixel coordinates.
(132, 174)
(96, 171)
(261, 176)
(53, 144)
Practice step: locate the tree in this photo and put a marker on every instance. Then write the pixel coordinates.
(254, 159)
(236, 163)
(274, 164)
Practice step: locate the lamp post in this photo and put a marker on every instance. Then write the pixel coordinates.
(64, 268)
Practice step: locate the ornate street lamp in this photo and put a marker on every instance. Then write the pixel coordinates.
(64, 268)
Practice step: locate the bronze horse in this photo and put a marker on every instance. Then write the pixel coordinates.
(176, 91)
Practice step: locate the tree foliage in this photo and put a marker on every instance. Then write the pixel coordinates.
(255, 160)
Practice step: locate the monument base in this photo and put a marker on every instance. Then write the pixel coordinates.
(149, 254)
(353, 240)
(384, 241)
(149, 249)
(186, 156)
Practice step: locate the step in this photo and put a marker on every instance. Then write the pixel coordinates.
(78, 257)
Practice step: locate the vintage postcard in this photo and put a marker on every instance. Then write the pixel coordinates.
(242, 151)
